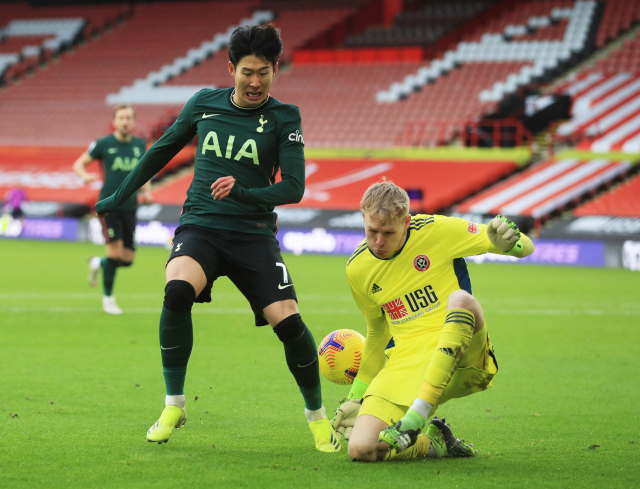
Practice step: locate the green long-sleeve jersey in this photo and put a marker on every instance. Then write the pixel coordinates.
(117, 160)
(249, 144)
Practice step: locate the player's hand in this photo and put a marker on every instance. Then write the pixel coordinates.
(146, 198)
(89, 177)
(345, 417)
(503, 233)
(222, 187)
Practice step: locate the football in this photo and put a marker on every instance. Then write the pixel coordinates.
(340, 354)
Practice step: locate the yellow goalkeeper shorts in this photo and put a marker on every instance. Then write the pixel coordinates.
(474, 374)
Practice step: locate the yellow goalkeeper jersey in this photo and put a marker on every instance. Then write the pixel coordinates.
(412, 287)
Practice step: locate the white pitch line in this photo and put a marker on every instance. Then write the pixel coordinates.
(157, 310)
(82, 295)
(214, 310)
(563, 312)
(546, 304)
(68, 295)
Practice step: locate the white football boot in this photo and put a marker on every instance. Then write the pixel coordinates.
(109, 305)
(94, 271)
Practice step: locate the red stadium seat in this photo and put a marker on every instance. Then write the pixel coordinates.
(622, 201)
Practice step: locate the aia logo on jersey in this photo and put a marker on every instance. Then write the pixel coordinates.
(473, 228)
(395, 309)
(422, 263)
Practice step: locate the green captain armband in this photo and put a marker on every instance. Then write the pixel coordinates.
(515, 251)
(357, 389)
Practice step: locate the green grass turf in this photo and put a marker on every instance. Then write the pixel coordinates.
(86, 386)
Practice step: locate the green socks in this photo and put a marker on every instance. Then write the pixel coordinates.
(109, 267)
(302, 358)
(413, 421)
(176, 343)
(174, 378)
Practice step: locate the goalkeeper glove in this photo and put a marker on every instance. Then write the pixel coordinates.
(345, 418)
(346, 414)
(504, 235)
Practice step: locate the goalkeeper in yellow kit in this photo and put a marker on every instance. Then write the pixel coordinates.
(410, 280)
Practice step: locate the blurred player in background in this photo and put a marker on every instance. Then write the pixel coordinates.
(14, 198)
(119, 154)
(410, 281)
(228, 227)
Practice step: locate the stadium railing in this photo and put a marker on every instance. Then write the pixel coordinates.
(492, 133)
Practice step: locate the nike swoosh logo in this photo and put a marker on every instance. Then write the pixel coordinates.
(204, 116)
(112, 150)
(171, 348)
(302, 366)
(280, 286)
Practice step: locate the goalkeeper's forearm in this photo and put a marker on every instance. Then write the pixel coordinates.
(151, 163)
(373, 357)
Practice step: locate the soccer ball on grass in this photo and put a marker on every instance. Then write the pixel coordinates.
(340, 354)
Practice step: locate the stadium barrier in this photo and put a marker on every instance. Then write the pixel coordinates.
(327, 241)
(487, 133)
(358, 56)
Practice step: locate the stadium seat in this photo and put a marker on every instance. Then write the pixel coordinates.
(606, 102)
(545, 188)
(65, 104)
(618, 17)
(621, 201)
(498, 42)
(42, 32)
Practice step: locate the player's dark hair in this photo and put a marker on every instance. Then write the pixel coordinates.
(263, 41)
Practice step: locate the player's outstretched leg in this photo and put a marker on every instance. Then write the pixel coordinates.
(302, 359)
(445, 442)
(176, 343)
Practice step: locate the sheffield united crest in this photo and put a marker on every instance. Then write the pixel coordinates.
(422, 263)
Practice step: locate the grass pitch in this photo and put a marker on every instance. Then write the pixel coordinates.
(79, 388)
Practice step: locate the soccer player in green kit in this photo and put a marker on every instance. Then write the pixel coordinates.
(118, 153)
(228, 226)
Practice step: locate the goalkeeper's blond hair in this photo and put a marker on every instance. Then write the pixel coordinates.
(387, 200)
